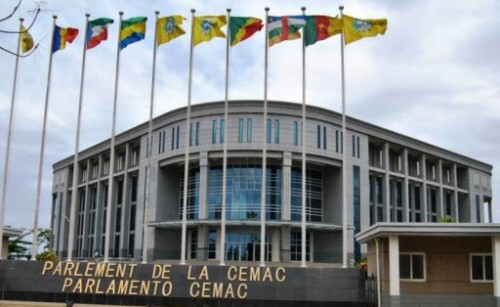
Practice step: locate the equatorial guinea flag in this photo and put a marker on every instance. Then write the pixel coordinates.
(97, 31)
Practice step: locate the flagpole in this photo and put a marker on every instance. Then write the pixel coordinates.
(9, 138)
(74, 186)
(186, 151)
(34, 246)
(304, 171)
(107, 240)
(224, 155)
(264, 151)
(149, 149)
(344, 152)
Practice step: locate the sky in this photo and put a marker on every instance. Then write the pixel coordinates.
(433, 76)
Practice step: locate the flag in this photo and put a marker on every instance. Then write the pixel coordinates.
(241, 28)
(284, 28)
(208, 27)
(26, 39)
(169, 28)
(133, 30)
(97, 31)
(321, 27)
(355, 29)
(62, 36)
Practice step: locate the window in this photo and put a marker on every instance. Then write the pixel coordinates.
(84, 174)
(95, 169)
(340, 141)
(355, 146)
(177, 137)
(249, 130)
(277, 131)
(135, 156)
(412, 266)
(221, 131)
(105, 167)
(240, 130)
(295, 133)
(318, 136)
(269, 130)
(478, 209)
(214, 131)
(161, 141)
(481, 267)
(119, 162)
(173, 138)
(194, 136)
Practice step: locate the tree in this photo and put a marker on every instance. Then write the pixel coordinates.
(20, 247)
(36, 10)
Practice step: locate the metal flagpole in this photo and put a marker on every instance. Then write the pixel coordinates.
(264, 152)
(109, 213)
(34, 247)
(186, 151)
(344, 152)
(74, 185)
(224, 155)
(304, 172)
(149, 150)
(9, 139)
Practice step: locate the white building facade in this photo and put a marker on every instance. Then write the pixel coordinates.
(390, 178)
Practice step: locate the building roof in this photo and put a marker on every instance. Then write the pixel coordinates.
(381, 230)
(9, 231)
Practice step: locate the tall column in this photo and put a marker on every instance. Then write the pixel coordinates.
(203, 201)
(441, 191)
(423, 192)
(394, 290)
(406, 190)
(387, 185)
(286, 188)
(495, 241)
(455, 211)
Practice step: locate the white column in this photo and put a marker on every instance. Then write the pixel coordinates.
(495, 242)
(406, 197)
(424, 202)
(387, 184)
(394, 265)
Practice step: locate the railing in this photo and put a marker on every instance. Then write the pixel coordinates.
(371, 291)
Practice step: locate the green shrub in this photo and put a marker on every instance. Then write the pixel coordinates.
(47, 255)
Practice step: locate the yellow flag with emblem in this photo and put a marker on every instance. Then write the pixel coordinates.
(208, 27)
(355, 29)
(26, 40)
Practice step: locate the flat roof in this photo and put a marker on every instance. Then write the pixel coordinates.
(381, 230)
(9, 231)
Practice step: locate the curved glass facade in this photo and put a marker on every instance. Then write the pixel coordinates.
(243, 193)
(193, 203)
(314, 195)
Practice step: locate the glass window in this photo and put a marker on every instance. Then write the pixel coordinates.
(240, 131)
(244, 186)
(357, 146)
(314, 188)
(324, 137)
(222, 131)
(336, 141)
(269, 130)
(173, 138)
(197, 136)
(296, 246)
(214, 131)
(295, 133)
(412, 266)
(318, 136)
(277, 131)
(481, 267)
(177, 138)
(249, 130)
